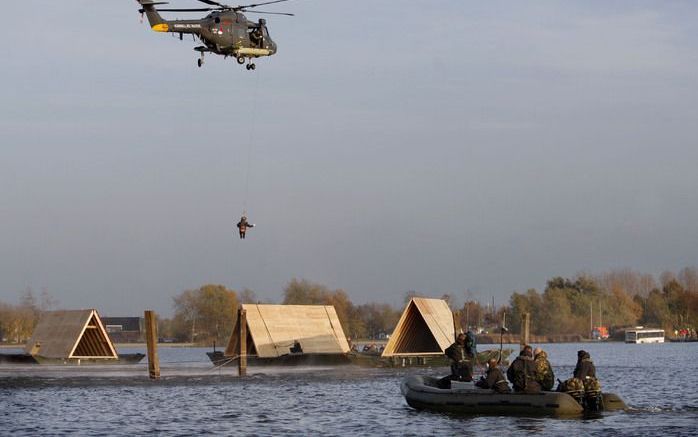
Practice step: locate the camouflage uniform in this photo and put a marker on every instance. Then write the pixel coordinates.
(495, 381)
(461, 362)
(522, 374)
(544, 372)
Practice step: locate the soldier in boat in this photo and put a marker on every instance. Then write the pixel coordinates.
(585, 367)
(522, 372)
(583, 386)
(495, 378)
(461, 359)
(544, 371)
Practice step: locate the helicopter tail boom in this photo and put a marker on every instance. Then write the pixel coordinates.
(157, 23)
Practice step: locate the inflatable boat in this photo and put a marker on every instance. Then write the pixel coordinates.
(422, 393)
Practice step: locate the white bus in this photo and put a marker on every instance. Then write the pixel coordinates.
(644, 335)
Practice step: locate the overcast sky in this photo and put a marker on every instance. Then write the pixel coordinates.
(438, 146)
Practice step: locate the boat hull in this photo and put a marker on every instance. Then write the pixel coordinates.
(218, 359)
(17, 359)
(122, 359)
(421, 393)
(367, 359)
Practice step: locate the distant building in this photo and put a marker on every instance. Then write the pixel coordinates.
(599, 333)
(124, 329)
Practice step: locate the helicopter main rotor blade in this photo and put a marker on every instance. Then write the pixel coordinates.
(213, 3)
(268, 13)
(188, 10)
(239, 8)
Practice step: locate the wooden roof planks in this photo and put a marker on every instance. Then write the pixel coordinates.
(272, 330)
(71, 334)
(425, 328)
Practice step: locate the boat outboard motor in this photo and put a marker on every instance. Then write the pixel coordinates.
(593, 401)
(573, 387)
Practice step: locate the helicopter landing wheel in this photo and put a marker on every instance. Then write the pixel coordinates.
(200, 62)
(252, 66)
(241, 60)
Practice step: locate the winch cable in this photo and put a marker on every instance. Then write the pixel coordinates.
(250, 143)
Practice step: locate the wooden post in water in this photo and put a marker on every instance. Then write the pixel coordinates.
(151, 338)
(242, 360)
(525, 327)
(457, 329)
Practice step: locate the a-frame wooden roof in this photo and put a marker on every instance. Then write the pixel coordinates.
(273, 329)
(71, 334)
(425, 328)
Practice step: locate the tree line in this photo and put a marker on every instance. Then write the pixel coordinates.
(17, 322)
(615, 299)
(207, 314)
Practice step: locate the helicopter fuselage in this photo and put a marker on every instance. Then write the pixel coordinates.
(224, 32)
(227, 33)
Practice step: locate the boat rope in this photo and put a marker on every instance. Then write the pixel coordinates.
(228, 361)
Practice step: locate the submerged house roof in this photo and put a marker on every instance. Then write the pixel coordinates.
(71, 334)
(425, 328)
(272, 330)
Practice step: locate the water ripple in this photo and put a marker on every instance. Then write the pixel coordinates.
(190, 399)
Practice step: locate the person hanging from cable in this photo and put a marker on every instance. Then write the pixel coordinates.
(242, 225)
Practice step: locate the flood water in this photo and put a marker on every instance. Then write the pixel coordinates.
(658, 382)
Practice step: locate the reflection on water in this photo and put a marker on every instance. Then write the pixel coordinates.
(659, 382)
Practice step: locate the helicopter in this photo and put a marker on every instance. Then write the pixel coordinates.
(224, 31)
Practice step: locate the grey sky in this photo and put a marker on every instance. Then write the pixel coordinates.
(430, 145)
